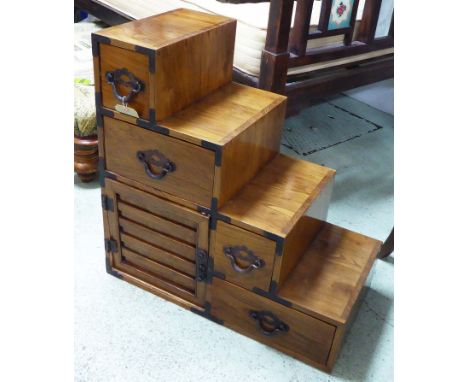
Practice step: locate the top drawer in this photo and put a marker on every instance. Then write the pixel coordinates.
(168, 164)
(159, 65)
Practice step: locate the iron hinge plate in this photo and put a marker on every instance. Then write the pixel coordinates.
(107, 203)
(202, 262)
(110, 245)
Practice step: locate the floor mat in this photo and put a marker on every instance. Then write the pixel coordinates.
(330, 123)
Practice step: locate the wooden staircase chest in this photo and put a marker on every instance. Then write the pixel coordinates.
(200, 208)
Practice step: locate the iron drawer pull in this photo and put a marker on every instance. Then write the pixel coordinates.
(268, 323)
(234, 254)
(122, 77)
(155, 158)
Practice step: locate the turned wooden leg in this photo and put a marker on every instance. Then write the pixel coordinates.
(387, 247)
(86, 157)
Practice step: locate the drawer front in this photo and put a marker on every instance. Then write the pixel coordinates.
(244, 258)
(168, 164)
(118, 65)
(283, 328)
(157, 241)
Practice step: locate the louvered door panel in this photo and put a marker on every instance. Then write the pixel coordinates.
(157, 241)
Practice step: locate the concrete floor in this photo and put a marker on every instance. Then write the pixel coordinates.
(125, 334)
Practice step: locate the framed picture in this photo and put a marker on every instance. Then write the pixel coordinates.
(341, 12)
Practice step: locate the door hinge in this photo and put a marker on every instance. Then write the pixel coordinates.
(107, 203)
(110, 245)
(202, 262)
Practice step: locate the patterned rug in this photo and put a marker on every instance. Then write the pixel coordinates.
(334, 121)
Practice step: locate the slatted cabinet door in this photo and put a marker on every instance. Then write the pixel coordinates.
(156, 244)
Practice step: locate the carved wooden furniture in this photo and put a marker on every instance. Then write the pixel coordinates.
(322, 48)
(201, 209)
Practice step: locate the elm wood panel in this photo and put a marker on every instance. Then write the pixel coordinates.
(192, 58)
(193, 176)
(188, 70)
(159, 269)
(246, 154)
(295, 244)
(275, 199)
(167, 28)
(343, 330)
(152, 240)
(227, 235)
(154, 192)
(118, 224)
(113, 58)
(156, 205)
(171, 211)
(187, 302)
(221, 116)
(308, 338)
(158, 282)
(155, 238)
(157, 254)
(332, 272)
(303, 233)
(162, 225)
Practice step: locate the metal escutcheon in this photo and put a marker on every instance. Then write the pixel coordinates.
(268, 323)
(122, 77)
(237, 253)
(155, 158)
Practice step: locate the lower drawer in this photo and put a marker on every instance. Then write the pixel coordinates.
(278, 326)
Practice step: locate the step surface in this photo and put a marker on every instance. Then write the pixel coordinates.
(224, 114)
(280, 194)
(329, 277)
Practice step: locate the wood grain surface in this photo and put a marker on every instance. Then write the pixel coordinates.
(156, 241)
(193, 177)
(275, 199)
(227, 235)
(193, 56)
(308, 339)
(161, 30)
(221, 116)
(330, 276)
(112, 58)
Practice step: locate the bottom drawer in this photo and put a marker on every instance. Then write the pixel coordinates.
(278, 326)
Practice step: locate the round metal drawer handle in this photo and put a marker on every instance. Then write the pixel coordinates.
(242, 253)
(268, 323)
(155, 158)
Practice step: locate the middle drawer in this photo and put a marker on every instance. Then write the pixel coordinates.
(242, 257)
(169, 164)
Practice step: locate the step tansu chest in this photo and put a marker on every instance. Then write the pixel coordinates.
(200, 207)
